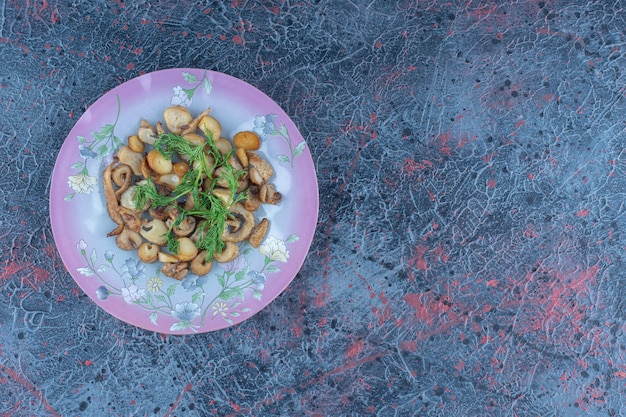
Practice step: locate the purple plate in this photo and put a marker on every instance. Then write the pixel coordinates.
(139, 293)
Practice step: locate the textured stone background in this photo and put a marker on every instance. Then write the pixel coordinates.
(468, 259)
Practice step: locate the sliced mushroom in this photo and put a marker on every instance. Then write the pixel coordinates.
(132, 159)
(177, 119)
(167, 257)
(258, 233)
(219, 178)
(146, 133)
(128, 239)
(177, 270)
(146, 171)
(199, 232)
(159, 128)
(259, 169)
(185, 227)
(193, 126)
(160, 213)
(200, 265)
(180, 168)
(122, 177)
(221, 181)
(223, 194)
(159, 163)
(269, 195)
(246, 223)
(252, 203)
(128, 198)
(223, 145)
(189, 202)
(194, 139)
(148, 252)
(210, 127)
(135, 144)
(154, 231)
(131, 218)
(230, 252)
(170, 180)
(109, 194)
(115, 232)
(209, 161)
(187, 250)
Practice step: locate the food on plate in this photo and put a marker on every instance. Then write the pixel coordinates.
(183, 195)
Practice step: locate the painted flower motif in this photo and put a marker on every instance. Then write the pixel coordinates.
(274, 249)
(102, 293)
(220, 308)
(258, 279)
(264, 125)
(132, 293)
(108, 255)
(154, 284)
(237, 264)
(82, 183)
(81, 245)
(193, 282)
(186, 311)
(132, 270)
(181, 97)
(86, 152)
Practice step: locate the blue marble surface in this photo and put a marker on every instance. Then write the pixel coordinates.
(468, 259)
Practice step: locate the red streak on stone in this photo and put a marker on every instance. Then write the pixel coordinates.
(175, 405)
(546, 31)
(30, 387)
(419, 261)
(354, 349)
(350, 365)
(582, 213)
(409, 345)
(576, 285)
(410, 165)
(444, 143)
(520, 123)
(10, 270)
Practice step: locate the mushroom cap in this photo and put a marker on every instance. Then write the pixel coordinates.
(230, 252)
(148, 252)
(246, 224)
(128, 239)
(200, 265)
(154, 231)
(128, 157)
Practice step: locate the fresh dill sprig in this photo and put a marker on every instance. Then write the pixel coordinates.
(169, 144)
(207, 206)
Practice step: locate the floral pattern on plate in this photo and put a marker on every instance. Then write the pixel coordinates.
(154, 294)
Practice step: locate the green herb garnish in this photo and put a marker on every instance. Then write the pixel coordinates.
(203, 161)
